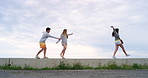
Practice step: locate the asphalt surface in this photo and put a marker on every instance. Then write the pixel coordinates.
(73, 73)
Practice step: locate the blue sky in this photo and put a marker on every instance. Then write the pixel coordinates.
(23, 21)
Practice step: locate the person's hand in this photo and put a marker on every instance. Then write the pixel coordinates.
(112, 27)
(58, 40)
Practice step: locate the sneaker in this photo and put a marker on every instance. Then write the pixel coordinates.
(37, 57)
(63, 58)
(114, 57)
(128, 55)
(45, 58)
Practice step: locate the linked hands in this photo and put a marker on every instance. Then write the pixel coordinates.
(58, 40)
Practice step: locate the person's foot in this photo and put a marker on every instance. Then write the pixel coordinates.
(128, 55)
(45, 58)
(37, 57)
(62, 56)
(114, 57)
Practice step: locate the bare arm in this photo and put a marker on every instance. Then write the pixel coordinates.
(113, 27)
(59, 39)
(70, 34)
(114, 30)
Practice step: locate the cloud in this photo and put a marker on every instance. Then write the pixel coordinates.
(90, 20)
(31, 2)
(29, 49)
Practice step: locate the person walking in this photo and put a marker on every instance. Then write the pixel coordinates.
(43, 44)
(118, 41)
(64, 37)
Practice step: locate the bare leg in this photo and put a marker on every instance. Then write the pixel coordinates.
(45, 52)
(116, 48)
(63, 51)
(123, 49)
(39, 51)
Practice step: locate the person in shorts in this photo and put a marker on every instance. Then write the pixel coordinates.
(43, 44)
(64, 37)
(118, 41)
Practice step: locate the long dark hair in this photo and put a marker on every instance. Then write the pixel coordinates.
(113, 33)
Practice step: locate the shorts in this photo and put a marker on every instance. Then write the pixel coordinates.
(42, 45)
(63, 44)
(118, 42)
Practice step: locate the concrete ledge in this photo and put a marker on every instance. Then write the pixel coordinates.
(41, 63)
(4, 61)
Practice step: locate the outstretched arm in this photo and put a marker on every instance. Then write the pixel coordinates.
(114, 30)
(59, 39)
(53, 37)
(70, 34)
(113, 27)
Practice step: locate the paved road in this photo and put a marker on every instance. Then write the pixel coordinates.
(73, 73)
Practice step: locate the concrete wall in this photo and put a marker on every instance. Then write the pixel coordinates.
(41, 63)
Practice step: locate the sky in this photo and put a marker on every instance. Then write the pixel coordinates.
(22, 23)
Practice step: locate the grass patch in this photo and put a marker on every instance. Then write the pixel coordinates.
(8, 66)
(77, 66)
(63, 66)
(124, 66)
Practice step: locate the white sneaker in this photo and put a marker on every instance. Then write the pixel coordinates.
(37, 57)
(114, 57)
